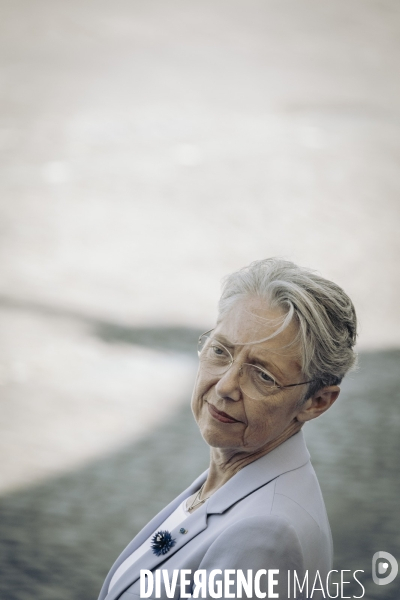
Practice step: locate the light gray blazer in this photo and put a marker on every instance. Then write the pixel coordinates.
(270, 515)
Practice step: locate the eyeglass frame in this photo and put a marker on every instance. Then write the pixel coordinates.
(274, 387)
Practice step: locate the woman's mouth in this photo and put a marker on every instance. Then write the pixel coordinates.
(219, 415)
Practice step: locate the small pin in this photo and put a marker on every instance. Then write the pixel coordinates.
(183, 530)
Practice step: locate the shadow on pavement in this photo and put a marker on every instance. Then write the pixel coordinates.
(176, 338)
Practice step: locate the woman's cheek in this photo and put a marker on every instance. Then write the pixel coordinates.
(198, 402)
(256, 429)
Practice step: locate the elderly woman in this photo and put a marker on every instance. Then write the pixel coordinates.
(282, 343)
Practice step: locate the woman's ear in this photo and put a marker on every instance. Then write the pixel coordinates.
(318, 404)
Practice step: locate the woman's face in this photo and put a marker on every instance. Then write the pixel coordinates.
(229, 419)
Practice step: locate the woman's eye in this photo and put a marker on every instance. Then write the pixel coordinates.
(266, 378)
(218, 351)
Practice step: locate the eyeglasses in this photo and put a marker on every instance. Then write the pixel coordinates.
(254, 381)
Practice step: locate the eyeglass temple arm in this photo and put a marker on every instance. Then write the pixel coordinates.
(294, 384)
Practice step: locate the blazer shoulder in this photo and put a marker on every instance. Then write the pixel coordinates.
(298, 498)
(302, 492)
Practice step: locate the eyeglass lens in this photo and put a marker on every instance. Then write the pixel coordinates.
(216, 359)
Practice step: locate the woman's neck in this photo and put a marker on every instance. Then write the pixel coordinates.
(225, 463)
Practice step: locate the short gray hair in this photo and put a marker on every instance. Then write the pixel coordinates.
(326, 318)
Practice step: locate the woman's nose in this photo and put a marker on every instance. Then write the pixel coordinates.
(228, 386)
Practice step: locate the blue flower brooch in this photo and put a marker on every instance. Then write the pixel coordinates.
(162, 542)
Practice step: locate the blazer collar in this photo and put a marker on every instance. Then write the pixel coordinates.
(290, 455)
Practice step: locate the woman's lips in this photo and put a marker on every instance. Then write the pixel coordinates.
(219, 415)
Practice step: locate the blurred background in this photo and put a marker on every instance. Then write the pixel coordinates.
(147, 150)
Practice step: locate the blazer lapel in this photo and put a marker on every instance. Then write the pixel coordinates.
(194, 524)
(142, 536)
